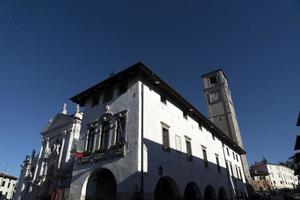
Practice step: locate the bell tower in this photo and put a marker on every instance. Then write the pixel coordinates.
(221, 109)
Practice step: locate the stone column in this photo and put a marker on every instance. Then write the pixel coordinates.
(70, 135)
(42, 164)
(38, 161)
(61, 149)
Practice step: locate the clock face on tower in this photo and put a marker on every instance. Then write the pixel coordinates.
(214, 96)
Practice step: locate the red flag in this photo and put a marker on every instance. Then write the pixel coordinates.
(78, 155)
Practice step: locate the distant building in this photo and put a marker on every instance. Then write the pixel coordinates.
(276, 176)
(260, 180)
(48, 175)
(221, 109)
(296, 156)
(7, 186)
(140, 138)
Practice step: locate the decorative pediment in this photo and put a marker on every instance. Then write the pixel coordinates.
(58, 122)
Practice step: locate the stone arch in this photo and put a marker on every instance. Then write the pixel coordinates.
(222, 194)
(209, 193)
(192, 191)
(166, 188)
(101, 184)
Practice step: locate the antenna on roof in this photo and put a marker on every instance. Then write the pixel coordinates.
(112, 73)
(5, 167)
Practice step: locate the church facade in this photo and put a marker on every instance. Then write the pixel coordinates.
(140, 139)
(48, 174)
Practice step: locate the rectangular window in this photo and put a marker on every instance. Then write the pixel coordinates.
(165, 138)
(237, 158)
(214, 97)
(227, 151)
(233, 155)
(163, 99)
(108, 95)
(3, 183)
(188, 149)
(95, 100)
(237, 172)
(122, 88)
(8, 185)
(200, 126)
(213, 136)
(178, 143)
(218, 163)
(184, 115)
(240, 173)
(205, 161)
(231, 170)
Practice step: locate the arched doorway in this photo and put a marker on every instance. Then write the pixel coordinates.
(222, 194)
(192, 192)
(101, 186)
(166, 188)
(209, 193)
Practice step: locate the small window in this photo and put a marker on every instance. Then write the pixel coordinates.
(214, 97)
(205, 161)
(184, 115)
(122, 88)
(108, 96)
(163, 99)
(237, 172)
(237, 157)
(200, 126)
(95, 100)
(3, 183)
(8, 185)
(218, 163)
(227, 151)
(213, 136)
(178, 143)
(188, 149)
(231, 170)
(233, 155)
(213, 80)
(165, 139)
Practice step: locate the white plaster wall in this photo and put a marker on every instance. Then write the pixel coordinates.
(283, 176)
(125, 168)
(175, 164)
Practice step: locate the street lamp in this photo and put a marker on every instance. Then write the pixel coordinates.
(160, 171)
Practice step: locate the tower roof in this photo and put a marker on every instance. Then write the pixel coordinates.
(213, 72)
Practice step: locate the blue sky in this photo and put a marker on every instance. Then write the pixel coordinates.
(51, 50)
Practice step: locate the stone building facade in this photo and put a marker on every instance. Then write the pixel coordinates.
(141, 139)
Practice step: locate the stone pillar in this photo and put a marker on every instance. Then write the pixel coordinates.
(61, 149)
(42, 164)
(38, 161)
(70, 135)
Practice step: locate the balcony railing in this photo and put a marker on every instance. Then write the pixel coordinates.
(117, 150)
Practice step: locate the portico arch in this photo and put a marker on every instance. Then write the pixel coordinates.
(192, 192)
(209, 193)
(222, 194)
(166, 188)
(101, 185)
